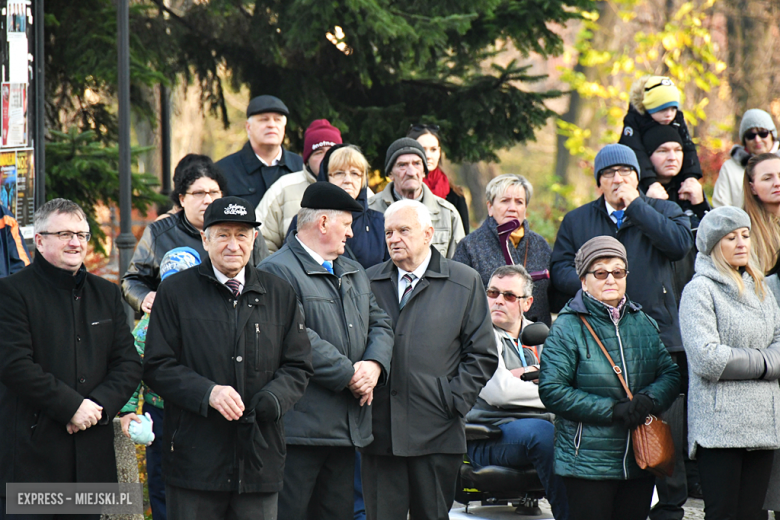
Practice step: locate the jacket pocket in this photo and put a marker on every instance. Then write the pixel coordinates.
(445, 395)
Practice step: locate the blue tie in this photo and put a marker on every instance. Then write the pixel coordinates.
(618, 214)
(327, 264)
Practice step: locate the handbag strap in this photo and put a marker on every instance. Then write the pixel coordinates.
(609, 358)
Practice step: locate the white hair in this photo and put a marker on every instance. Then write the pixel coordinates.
(307, 216)
(500, 184)
(423, 215)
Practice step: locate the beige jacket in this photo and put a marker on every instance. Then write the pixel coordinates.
(447, 226)
(280, 204)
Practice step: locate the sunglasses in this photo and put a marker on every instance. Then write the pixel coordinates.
(508, 296)
(749, 136)
(420, 127)
(602, 274)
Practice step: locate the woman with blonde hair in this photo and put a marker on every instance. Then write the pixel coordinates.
(730, 325)
(762, 204)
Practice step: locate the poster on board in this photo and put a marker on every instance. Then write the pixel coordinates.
(17, 184)
(14, 114)
(8, 181)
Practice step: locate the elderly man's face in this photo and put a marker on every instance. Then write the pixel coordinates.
(407, 174)
(407, 240)
(266, 129)
(667, 160)
(337, 230)
(229, 245)
(510, 205)
(66, 254)
(508, 315)
(612, 186)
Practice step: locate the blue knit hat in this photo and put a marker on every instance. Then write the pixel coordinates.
(615, 155)
(178, 259)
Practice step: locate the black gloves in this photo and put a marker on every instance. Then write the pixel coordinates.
(266, 407)
(630, 413)
(620, 412)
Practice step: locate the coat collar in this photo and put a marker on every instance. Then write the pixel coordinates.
(437, 268)
(185, 224)
(577, 305)
(250, 161)
(428, 198)
(252, 281)
(340, 266)
(61, 278)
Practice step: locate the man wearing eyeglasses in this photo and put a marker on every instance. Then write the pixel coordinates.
(67, 361)
(654, 232)
(407, 166)
(511, 403)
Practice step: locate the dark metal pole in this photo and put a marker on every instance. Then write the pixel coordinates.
(39, 135)
(125, 242)
(165, 138)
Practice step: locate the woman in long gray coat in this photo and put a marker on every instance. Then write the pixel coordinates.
(731, 332)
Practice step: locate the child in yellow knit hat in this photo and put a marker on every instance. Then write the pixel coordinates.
(655, 100)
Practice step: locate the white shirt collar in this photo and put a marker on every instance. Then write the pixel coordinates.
(418, 272)
(240, 277)
(317, 258)
(274, 162)
(610, 209)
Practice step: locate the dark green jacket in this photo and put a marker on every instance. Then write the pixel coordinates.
(579, 386)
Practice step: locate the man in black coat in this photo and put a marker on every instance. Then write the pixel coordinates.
(654, 232)
(352, 343)
(262, 160)
(67, 361)
(228, 352)
(443, 355)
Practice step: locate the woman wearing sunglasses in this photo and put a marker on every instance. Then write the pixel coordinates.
(757, 135)
(731, 332)
(761, 186)
(594, 417)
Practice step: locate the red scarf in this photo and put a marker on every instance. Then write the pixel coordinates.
(438, 182)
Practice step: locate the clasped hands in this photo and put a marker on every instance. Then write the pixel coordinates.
(88, 415)
(364, 380)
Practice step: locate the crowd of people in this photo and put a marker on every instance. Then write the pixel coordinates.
(309, 349)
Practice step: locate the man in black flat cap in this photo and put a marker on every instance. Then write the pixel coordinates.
(228, 351)
(262, 160)
(352, 343)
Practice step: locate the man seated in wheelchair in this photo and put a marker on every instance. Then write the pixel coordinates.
(510, 403)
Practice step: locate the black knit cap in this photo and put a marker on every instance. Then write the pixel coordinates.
(229, 209)
(658, 135)
(324, 195)
(262, 104)
(403, 146)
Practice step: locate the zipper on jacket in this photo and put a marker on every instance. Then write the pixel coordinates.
(625, 454)
(257, 347)
(578, 439)
(628, 384)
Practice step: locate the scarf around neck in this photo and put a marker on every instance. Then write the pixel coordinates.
(438, 182)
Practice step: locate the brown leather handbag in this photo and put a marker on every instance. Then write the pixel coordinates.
(653, 445)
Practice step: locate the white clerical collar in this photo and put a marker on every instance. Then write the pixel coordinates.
(240, 277)
(317, 258)
(274, 162)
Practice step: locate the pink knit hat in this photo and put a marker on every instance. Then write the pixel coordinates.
(320, 133)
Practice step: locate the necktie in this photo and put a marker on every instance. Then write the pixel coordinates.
(234, 286)
(408, 278)
(618, 214)
(328, 265)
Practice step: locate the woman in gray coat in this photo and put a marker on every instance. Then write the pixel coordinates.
(731, 332)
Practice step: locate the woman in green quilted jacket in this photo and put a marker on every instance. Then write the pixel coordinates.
(594, 417)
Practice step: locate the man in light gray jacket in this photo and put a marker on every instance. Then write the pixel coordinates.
(511, 403)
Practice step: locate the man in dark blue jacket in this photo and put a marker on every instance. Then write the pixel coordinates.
(251, 170)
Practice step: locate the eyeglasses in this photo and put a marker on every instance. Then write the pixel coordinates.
(750, 135)
(508, 296)
(67, 236)
(623, 171)
(340, 176)
(421, 127)
(200, 195)
(602, 274)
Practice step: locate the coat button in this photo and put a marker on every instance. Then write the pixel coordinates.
(82, 380)
(350, 325)
(239, 359)
(78, 338)
(393, 393)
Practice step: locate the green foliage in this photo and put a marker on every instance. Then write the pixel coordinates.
(682, 50)
(373, 67)
(84, 170)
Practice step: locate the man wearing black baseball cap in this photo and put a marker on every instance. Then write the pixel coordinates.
(352, 343)
(227, 350)
(262, 160)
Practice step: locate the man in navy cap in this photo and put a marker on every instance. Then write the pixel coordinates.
(262, 160)
(227, 350)
(352, 343)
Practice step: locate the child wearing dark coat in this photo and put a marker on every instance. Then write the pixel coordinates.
(654, 101)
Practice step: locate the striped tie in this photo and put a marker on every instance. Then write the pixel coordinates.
(408, 278)
(234, 286)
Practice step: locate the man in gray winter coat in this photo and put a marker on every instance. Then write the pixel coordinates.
(352, 343)
(444, 353)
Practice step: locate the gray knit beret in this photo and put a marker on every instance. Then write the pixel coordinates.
(756, 118)
(615, 155)
(718, 223)
(598, 247)
(404, 146)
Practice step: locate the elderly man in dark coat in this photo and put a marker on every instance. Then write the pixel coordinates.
(67, 361)
(253, 169)
(228, 351)
(352, 343)
(444, 353)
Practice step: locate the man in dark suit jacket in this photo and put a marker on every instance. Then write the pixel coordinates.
(443, 355)
(67, 361)
(262, 160)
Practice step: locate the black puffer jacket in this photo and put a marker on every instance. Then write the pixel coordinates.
(143, 273)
